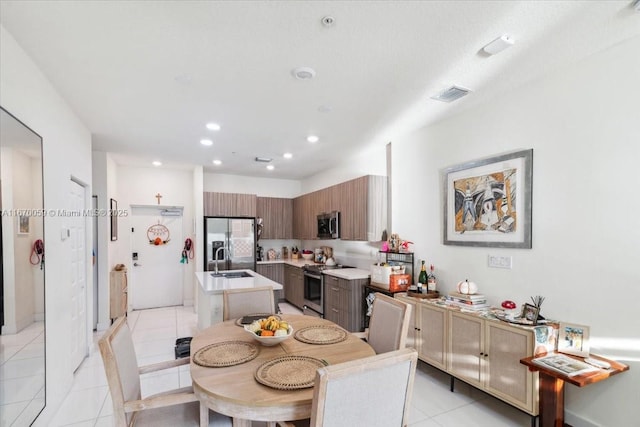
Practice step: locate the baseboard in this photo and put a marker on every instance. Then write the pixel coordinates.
(576, 421)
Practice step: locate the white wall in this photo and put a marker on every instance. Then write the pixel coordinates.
(263, 187)
(27, 94)
(139, 186)
(370, 162)
(584, 128)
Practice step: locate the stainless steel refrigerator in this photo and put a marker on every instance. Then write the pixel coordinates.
(234, 241)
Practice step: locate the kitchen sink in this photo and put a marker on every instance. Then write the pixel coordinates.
(232, 274)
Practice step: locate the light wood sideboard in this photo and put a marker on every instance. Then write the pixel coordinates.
(482, 352)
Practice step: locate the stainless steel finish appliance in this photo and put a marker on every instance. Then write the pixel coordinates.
(314, 288)
(230, 243)
(329, 225)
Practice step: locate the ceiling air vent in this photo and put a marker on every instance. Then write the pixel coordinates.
(263, 159)
(451, 93)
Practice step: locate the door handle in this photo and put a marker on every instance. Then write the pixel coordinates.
(135, 264)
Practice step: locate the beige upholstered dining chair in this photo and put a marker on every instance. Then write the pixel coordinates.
(349, 394)
(389, 324)
(172, 408)
(241, 302)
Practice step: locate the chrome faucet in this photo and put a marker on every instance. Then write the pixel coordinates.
(216, 256)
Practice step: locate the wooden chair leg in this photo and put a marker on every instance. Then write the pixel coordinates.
(204, 415)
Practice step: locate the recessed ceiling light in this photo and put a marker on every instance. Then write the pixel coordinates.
(156, 163)
(213, 126)
(206, 142)
(313, 139)
(287, 155)
(303, 73)
(271, 167)
(217, 162)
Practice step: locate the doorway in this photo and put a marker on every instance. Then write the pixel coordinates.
(156, 249)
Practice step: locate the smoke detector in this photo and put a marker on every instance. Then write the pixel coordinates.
(303, 73)
(328, 21)
(498, 45)
(451, 93)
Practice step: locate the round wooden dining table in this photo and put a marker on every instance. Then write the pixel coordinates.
(234, 391)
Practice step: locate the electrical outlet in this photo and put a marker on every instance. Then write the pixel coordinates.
(496, 261)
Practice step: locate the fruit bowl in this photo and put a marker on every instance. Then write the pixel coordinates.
(308, 257)
(269, 341)
(269, 331)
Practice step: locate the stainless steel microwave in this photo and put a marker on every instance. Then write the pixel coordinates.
(329, 225)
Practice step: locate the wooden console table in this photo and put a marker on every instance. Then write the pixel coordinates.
(551, 387)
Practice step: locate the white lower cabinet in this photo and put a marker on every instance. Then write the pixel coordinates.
(482, 352)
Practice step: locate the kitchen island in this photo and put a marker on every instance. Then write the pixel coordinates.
(211, 287)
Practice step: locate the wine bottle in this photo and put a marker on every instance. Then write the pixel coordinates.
(431, 281)
(422, 278)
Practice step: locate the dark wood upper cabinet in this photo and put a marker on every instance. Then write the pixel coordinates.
(277, 217)
(362, 203)
(229, 204)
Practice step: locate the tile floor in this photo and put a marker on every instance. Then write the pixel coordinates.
(154, 331)
(21, 375)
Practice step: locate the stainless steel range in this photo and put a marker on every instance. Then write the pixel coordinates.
(314, 288)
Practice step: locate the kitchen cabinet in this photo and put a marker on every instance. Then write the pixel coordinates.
(343, 302)
(274, 272)
(277, 217)
(294, 285)
(362, 203)
(487, 354)
(229, 204)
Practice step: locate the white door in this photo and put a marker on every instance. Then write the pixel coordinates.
(156, 278)
(78, 242)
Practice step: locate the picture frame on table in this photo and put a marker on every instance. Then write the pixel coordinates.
(487, 202)
(113, 206)
(573, 339)
(530, 313)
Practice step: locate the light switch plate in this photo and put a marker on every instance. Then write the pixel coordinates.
(496, 261)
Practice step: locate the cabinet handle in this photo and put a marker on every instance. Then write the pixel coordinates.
(481, 354)
(334, 310)
(335, 289)
(486, 355)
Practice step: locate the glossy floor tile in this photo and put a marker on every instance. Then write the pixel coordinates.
(21, 375)
(155, 331)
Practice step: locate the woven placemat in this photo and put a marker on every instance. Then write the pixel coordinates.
(262, 316)
(321, 334)
(226, 353)
(289, 372)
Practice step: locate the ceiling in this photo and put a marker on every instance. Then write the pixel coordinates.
(146, 76)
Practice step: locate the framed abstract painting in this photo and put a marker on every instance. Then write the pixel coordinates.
(487, 202)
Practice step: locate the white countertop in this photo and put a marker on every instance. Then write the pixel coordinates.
(343, 273)
(215, 285)
(294, 262)
(348, 273)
